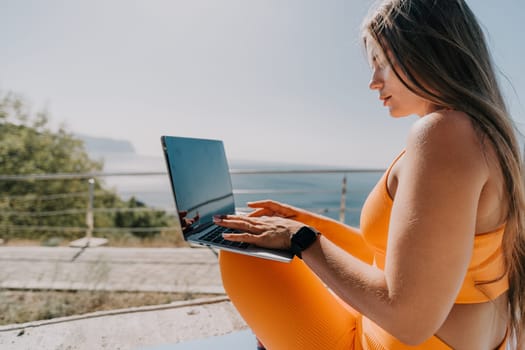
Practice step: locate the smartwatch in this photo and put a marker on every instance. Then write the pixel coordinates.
(302, 239)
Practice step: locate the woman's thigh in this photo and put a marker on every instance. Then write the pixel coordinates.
(286, 305)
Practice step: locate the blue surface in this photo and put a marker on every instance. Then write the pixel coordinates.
(243, 340)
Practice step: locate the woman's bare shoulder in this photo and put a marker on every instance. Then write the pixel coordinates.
(450, 137)
(444, 124)
(447, 130)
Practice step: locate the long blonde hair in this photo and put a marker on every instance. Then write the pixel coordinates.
(439, 46)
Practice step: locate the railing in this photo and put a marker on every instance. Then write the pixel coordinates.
(339, 191)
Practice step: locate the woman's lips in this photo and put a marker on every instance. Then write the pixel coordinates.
(385, 99)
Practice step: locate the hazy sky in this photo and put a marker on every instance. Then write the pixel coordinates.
(283, 80)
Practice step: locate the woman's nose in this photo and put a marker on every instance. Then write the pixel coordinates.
(375, 82)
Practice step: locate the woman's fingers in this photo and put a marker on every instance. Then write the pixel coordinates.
(241, 237)
(273, 207)
(261, 212)
(241, 223)
(265, 239)
(269, 232)
(268, 203)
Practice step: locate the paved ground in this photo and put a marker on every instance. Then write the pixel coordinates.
(130, 269)
(191, 270)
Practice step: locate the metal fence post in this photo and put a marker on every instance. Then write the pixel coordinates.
(4, 220)
(89, 240)
(89, 212)
(342, 208)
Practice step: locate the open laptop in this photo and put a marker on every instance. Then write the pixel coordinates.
(201, 185)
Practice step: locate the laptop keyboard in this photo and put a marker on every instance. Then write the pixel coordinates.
(215, 236)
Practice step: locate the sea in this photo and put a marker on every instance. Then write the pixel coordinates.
(317, 192)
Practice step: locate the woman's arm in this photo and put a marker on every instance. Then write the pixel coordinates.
(431, 234)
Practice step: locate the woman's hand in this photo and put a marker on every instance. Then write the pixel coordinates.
(273, 208)
(267, 232)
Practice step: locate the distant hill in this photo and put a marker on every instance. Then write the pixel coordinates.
(103, 145)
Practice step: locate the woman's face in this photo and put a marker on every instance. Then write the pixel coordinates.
(393, 93)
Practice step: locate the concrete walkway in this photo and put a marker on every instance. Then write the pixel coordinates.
(183, 270)
(192, 270)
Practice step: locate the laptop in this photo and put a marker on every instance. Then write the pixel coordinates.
(201, 185)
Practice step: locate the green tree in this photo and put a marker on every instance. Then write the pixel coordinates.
(27, 147)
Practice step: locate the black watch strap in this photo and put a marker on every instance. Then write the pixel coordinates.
(302, 239)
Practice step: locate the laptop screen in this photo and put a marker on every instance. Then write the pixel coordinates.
(200, 180)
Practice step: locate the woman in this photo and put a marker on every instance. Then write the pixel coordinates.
(438, 262)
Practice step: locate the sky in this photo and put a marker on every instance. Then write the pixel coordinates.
(277, 80)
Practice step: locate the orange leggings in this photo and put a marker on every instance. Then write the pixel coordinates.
(288, 307)
(282, 302)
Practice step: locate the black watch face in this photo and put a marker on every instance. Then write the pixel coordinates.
(305, 237)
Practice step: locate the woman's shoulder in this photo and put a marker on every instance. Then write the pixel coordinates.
(446, 129)
(448, 137)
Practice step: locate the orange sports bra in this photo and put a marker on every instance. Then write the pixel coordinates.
(486, 276)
